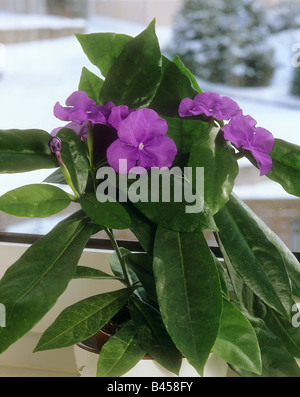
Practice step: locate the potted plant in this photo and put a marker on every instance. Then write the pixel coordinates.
(143, 148)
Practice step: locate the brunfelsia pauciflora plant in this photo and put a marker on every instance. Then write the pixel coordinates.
(176, 298)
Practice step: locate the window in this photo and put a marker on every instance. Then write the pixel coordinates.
(41, 62)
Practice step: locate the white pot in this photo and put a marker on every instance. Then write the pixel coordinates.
(86, 366)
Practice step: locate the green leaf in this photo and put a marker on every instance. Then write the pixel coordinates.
(185, 131)
(153, 336)
(25, 150)
(141, 263)
(135, 75)
(91, 84)
(74, 158)
(90, 272)
(288, 332)
(246, 244)
(82, 319)
(224, 279)
(141, 227)
(102, 49)
(178, 62)
(189, 293)
(120, 353)
(31, 286)
(291, 263)
(109, 214)
(217, 158)
(276, 360)
(56, 177)
(286, 166)
(35, 201)
(116, 267)
(236, 342)
(168, 199)
(174, 87)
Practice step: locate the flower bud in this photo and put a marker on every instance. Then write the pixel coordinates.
(55, 144)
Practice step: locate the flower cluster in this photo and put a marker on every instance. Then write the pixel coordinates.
(141, 134)
(142, 139)
(211, 104)
(241, 130)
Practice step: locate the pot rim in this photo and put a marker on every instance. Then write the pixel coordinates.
(100, 337)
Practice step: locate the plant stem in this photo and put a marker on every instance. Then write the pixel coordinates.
(90, 143)
(67, 175)
(240, 154)
(101, 164)
(119, 254)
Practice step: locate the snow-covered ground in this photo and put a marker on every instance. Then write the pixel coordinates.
(9, 21)
(38, 74)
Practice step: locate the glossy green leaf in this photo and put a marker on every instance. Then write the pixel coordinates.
(109, 214)
(141, 263)
(74, 157)
(91, 84)
(103, 49)
(189, 292)
(185, 131)
(25, 150)
(217, 158)
(116, 267)
(169, 199)
(224, 278)
(276, 360)
(286, 166)
(288, 332)
(83, 319)
(174, 87)
(31, 286)
(90, 272)
(291, 263)
(236, 342)
(135, 75)
(120, 353)
(141, 227)
(56, 177)
(35, 201)
(246, 243)
(153, 336)
(181, 66)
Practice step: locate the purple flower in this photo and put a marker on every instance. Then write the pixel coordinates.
(142, 142)
(242, 132)
(211, 104)
(117, 114)
(80, 108)
(54, 144)
(80, 130)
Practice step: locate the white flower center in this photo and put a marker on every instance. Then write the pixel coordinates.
(141, 146)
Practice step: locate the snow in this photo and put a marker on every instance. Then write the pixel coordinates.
(38, 74)
(9, 21)
(35, 226)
